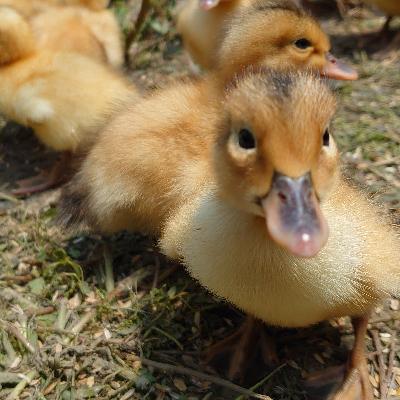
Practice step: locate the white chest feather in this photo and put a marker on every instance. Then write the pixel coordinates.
(230, 253)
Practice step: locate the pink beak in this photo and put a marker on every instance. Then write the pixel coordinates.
(208, 4)
(336, 69)
(293, 215)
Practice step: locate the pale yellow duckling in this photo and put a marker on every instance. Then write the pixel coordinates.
(29, 8)
(91, 31)
(64, 97)
(91, 4)
(244, 188)
(238, 33)
(390, 7)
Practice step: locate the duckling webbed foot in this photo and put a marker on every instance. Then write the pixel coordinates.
(349, 382)
(356, 385)
(242, 348)
(44, 180)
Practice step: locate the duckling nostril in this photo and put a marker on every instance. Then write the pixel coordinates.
(282, 196)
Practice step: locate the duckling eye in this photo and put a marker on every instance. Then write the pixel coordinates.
(246, 139)
(325, 138)
(302, 43)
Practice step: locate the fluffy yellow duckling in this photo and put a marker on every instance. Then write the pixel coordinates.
(64, 97)
(238, 33)
(91, 4)
(29, 8)
(91, 32)
(390, 7)
(243, 186)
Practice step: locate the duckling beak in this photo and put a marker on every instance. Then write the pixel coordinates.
(208, 4)
(293, 215)
(336, 69)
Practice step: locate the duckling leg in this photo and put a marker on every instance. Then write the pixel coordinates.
(237, 344)
(44, 180)
(385, 31)
(242, 345)
(341, 7)
(356, 385)
(345, 382)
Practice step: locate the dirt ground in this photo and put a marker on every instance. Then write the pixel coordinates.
(88, 317)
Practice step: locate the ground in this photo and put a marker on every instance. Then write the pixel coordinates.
(110, 318)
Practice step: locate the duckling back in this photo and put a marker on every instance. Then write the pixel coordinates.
(91, 4)
(222, 239)
(95, 34)
(64, 97)
(159, 158)
(202, 30)
(389, 7)
(29, 8)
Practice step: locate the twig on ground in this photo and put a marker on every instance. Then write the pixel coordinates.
(8, 197)
(11, 354)
(265, 379)
(62, 315)
(77, 328)
(14, 331)
(200, 375)
(39, 311)
(156, 273)
(381, 362)
(21, 386)
(108, 269)
(390, 375)
(16, 278)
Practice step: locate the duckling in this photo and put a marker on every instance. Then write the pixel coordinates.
(91, 32)
(95, 5)
(390, 7)
(63, 96)
(243, 186)
(29, 8)
(233, 34)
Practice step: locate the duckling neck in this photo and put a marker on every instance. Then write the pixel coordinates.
(230, 252)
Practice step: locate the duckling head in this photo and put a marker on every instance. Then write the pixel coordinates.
(95, 5)
(275, 157)
(278, 34)
(16, 40)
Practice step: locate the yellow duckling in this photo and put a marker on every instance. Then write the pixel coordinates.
(237, 33)
(243, 186)
(93, 32)
(64, 97)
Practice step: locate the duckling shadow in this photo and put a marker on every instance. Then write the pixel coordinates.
(300, 351)
(129, 252)
(372, 43)
(322, 9)
(21, 155)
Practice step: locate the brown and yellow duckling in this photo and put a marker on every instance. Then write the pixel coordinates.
(244, 187)
(64, 97)
(238, 33)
